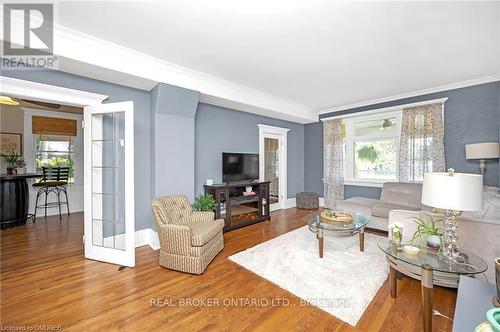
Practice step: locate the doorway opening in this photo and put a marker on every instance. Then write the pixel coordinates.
(273, 163)
(98, 146)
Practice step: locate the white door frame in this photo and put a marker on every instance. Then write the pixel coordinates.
(281, 134)
(54, 94)
(48, 93)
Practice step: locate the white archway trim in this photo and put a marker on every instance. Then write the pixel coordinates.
(281, 134)
(13, 87)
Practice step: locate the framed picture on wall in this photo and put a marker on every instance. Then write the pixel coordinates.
(11, 142)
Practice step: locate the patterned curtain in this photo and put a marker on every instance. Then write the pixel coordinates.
(333, 168)
(421, 149)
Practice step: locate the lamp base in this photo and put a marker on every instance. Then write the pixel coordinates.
(450, 237)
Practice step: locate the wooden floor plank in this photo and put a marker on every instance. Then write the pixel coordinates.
(45, 280)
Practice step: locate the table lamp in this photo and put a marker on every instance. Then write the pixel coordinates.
(482, 151)
(454, 193)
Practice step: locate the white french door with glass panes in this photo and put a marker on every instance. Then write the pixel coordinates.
(273, 163)
(109, 183)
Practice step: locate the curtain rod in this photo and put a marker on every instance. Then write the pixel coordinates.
(386, 109)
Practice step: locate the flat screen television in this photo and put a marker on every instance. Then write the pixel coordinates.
(240, 167)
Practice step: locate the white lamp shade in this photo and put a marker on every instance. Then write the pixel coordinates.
(482, 150)
(459, 192)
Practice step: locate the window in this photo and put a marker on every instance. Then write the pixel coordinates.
(371, 147)
(55, 151)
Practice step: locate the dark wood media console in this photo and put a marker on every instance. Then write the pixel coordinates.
(237, 209)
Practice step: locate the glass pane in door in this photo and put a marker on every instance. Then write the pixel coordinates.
(271, 167)
(108, 180)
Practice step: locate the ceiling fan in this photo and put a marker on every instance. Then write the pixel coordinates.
(5, 100)
(387, 124)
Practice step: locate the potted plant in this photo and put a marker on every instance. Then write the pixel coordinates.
(427, 228)
(21, 166)
(12, 161)
(204, 203)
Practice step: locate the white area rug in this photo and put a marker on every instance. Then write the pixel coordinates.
(341, 283)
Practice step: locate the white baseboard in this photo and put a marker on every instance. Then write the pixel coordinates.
(290, 202)
(154, 241)
(148, 237)
(321, 202)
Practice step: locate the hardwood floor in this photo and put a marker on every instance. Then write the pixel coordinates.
(46, 280)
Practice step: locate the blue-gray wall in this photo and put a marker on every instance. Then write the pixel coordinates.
(169, 121)
(173, 111)
(142, 126)
(471, 115)
(220, 130)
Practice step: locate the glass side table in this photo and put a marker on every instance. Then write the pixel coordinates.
(430, 267)
(357, 226)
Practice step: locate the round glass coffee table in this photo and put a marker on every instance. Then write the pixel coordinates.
(357, 226)
(431, 268)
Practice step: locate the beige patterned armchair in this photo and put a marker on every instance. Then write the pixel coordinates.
(189, 240)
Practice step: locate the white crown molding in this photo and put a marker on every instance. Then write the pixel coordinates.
(385, 109)
(48, 93)
(441, 88)
(98, 53)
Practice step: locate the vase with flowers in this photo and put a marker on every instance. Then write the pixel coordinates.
(396, 233)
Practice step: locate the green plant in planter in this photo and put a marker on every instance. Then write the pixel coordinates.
(368, 153)
(204, 203)
(427, 227)
(12, 160)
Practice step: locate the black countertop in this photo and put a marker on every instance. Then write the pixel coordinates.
(19, 176)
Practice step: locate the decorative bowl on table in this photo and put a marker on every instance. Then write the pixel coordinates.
(332, 217)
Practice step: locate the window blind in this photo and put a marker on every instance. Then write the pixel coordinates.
(53, 126)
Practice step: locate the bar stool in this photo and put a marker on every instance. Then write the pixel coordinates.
(54, 180)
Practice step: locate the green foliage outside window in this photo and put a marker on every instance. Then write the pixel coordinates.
(55, 151)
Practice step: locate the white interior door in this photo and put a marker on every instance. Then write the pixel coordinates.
(109, 183)
(272, 162)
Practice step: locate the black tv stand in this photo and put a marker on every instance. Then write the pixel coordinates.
(237, 209)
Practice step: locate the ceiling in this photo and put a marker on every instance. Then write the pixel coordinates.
(318, 54)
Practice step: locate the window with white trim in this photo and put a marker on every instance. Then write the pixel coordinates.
(55, 151)
(371, 145)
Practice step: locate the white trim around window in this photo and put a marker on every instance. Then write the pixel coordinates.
(386, 109)
(75, 190)
(350, 140)
(28, 144)
(379, 113)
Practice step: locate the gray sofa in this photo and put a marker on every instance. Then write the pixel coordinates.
(394, 196)
(400, 202)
